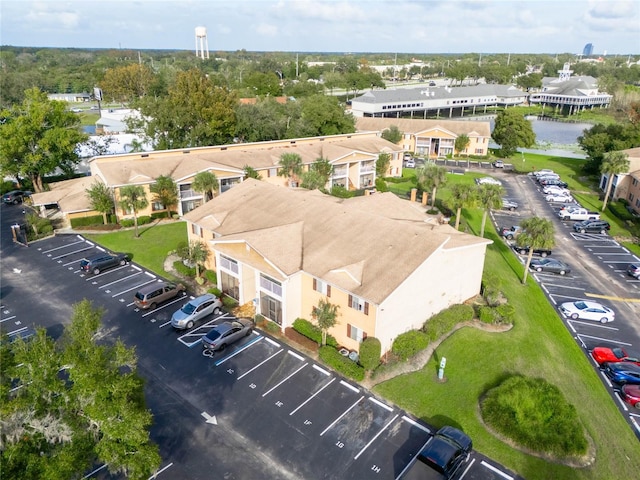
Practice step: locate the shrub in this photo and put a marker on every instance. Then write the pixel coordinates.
(341, 192)
(487, 314)
(309, 330)
(272, 327)
(443, 322)
(144, 220)
(229, 302)
(534, 414)
(619, 209)
(127, 222)
(211, 276)
(506, 313)
(381, 185)
(406, 345)
(85, 221)
(343, 365)
(370, 352)
(216, 291)
(7, 186)
(183, 270)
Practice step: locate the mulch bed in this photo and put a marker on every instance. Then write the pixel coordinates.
(300, 339)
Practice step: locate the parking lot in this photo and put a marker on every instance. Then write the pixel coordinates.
(258, 409)
(598, 273)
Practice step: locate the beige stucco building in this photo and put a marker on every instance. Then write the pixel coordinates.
(379, 258)
(627, 185)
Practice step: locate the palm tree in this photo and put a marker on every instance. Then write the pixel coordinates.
(133, 198)
(613, 164)
(536, 233)
(326, 314)
(290, 166)
(430, 177)
(165, 191)
(101, 199)
(250, 172)
(463, 196)
(490, 198)
(207, 183)
(462, 142)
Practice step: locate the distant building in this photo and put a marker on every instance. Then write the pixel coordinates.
(69, 97)
(588, 50)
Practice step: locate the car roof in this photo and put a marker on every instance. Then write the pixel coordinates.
(153, 287)
(202, 298)
(625, 366)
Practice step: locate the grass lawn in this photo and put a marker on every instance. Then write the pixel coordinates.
(539, 345)
(151, 248)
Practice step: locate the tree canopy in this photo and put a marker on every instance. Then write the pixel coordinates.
(536, 233)
(133, 198)
(165, 192)
(511, 131)
(613, 164)
(207, 183)
(37, 137)
(79, 402)
(489, 198)
(101, 199)
(431, 176)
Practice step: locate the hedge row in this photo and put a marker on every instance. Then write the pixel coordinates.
(86, 221)
(341, 364)
(309, 330)
(443, 322)
(504, 313)
(130, 222)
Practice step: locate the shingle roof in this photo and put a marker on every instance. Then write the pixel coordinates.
(439, 93)
(365, 249)
(70, 195)
(415, 126)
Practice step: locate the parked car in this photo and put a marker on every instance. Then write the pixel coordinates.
(543, 172)
(444, 453)
(549, 189)
(588, 310)
(633, 270)
(549, 176)
(509, 204)
(631, 394)
(553, 182)
(76, 110)
(549, 265)
(102, 261)
(622, 372)
(617, 354)
(498, 164)
(223, 335)
(15, 196)
(488, 181)
(511, 232)
(559, 197)
(595, 226)
(410, 163)
(543, 252)
(195, 311)
(150, 296)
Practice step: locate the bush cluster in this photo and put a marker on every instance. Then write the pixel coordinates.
(443, 322)
(381, 185)
(86, 221)
(343, 365)
(183, 270)
(39, 226)
(126, 222)
(370, 351)
(309, 330)
(211, 277)
(407, 344)
(229, 302)
(502, 314)
(534, 413)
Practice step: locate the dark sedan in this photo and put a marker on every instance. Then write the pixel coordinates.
(623, 372)
(224, 334)
(543, 252)
(102, 261)
(549, 265)
(553, 181)
(592, 226)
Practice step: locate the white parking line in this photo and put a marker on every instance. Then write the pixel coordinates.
(622, 403)
(595, 324)
(63, 246)
(164, 324)
(155, 475)
(565, 286)
(379, 403)
(494, 469)
(95, 471)
(345, 384)
(151, 312)
(604, 339)
(564, 296)
(8, 318)
(413, 460)
(635, 424)
(93, 277)
(606, 379)
(415, 424)
(71, 253)
(135, 287)
(260, 364)
(283, 380)
(322, 370)
(375, 437)
(343, 414)
(312, 396)
(119, 280)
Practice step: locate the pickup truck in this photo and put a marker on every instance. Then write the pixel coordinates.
(441, 457)
(578, 214)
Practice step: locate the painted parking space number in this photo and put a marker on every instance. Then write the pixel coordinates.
(339, 444)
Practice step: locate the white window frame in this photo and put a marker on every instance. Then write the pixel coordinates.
(229, 265)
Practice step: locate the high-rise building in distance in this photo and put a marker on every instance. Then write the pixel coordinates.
(588, 50)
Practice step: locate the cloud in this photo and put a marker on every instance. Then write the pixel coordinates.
(53, 14)
(267, 30)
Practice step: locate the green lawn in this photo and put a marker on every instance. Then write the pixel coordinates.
(151, 248)
(539, 345)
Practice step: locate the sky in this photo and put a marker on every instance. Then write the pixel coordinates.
(411, 26)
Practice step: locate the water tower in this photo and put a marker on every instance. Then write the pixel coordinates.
(201, 42)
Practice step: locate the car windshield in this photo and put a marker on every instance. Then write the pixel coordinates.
(213, 334)
(580, 305)
(188, 308)
(139, 296)
(618, 352)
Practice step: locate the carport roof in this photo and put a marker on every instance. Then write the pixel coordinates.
(367, 245)
(69, 195)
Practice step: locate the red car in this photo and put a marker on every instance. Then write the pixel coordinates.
(631, 394)
(612, 355)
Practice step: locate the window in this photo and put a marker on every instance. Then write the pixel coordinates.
(195, 229)
(322, 287)
(273, 172)
(358, 304)
(355, 333)
(155, 206)
(230, 285)
(271, 285)
(631, 197)
(229, 264)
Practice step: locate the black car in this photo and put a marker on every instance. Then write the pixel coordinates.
(543, 252)
(549, 265)
(15, 196)
(446, 451)
(553, 181)
(597, 226)
(102, 261)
